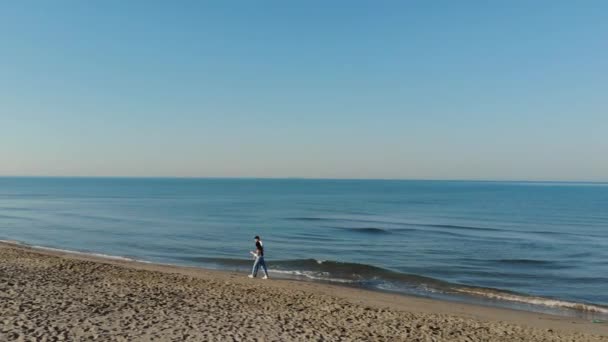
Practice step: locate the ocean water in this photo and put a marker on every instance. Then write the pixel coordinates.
(532, 246)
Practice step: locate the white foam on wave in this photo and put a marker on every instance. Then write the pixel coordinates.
(313, 276)
(98, 255)
(60, 250)
(11, 242)
(553, 303)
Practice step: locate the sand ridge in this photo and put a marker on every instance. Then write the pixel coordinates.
(51, 297)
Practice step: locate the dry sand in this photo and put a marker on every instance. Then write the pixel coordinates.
(49, 296)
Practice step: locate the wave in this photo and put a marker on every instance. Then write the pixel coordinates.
(16, 209)
(545, 232)
(308, 219)
(228, 262)
(531, 300)
(452, 226)
(369, 230)
(335, 219)
(12, 217)
(100, 255)
(524, 261)
(11, 242)
(68, 251)
(579, 255)
(393, 223)
(337, 269)
(92, 217)
(396, 225)
(311, 276)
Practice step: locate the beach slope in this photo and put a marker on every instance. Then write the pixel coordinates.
(50, 295)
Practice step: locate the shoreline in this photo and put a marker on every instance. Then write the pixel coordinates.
(363, 306)
(462, 294)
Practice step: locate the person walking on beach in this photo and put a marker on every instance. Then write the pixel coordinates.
(259, 259)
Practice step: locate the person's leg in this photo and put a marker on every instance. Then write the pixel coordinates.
(256, 266)
(263, 263)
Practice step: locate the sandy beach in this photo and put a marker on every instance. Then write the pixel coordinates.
(50, 296)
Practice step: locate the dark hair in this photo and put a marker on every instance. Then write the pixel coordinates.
(257, 237)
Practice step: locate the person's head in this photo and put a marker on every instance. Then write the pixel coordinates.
(257, 238)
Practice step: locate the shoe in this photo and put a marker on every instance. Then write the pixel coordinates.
(265, 277)
(250, 276)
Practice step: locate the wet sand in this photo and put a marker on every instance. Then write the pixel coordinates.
(50, 296)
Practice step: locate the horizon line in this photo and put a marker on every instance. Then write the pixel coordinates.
(317, 178)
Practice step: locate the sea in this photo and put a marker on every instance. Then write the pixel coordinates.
(535, 246)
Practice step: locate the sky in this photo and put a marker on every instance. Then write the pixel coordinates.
(489, 90)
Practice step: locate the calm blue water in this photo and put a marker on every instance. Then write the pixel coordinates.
(537, 246)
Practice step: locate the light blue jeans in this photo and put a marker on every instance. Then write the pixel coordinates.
(259, 261)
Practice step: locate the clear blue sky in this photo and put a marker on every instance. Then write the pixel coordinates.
(336, 89)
